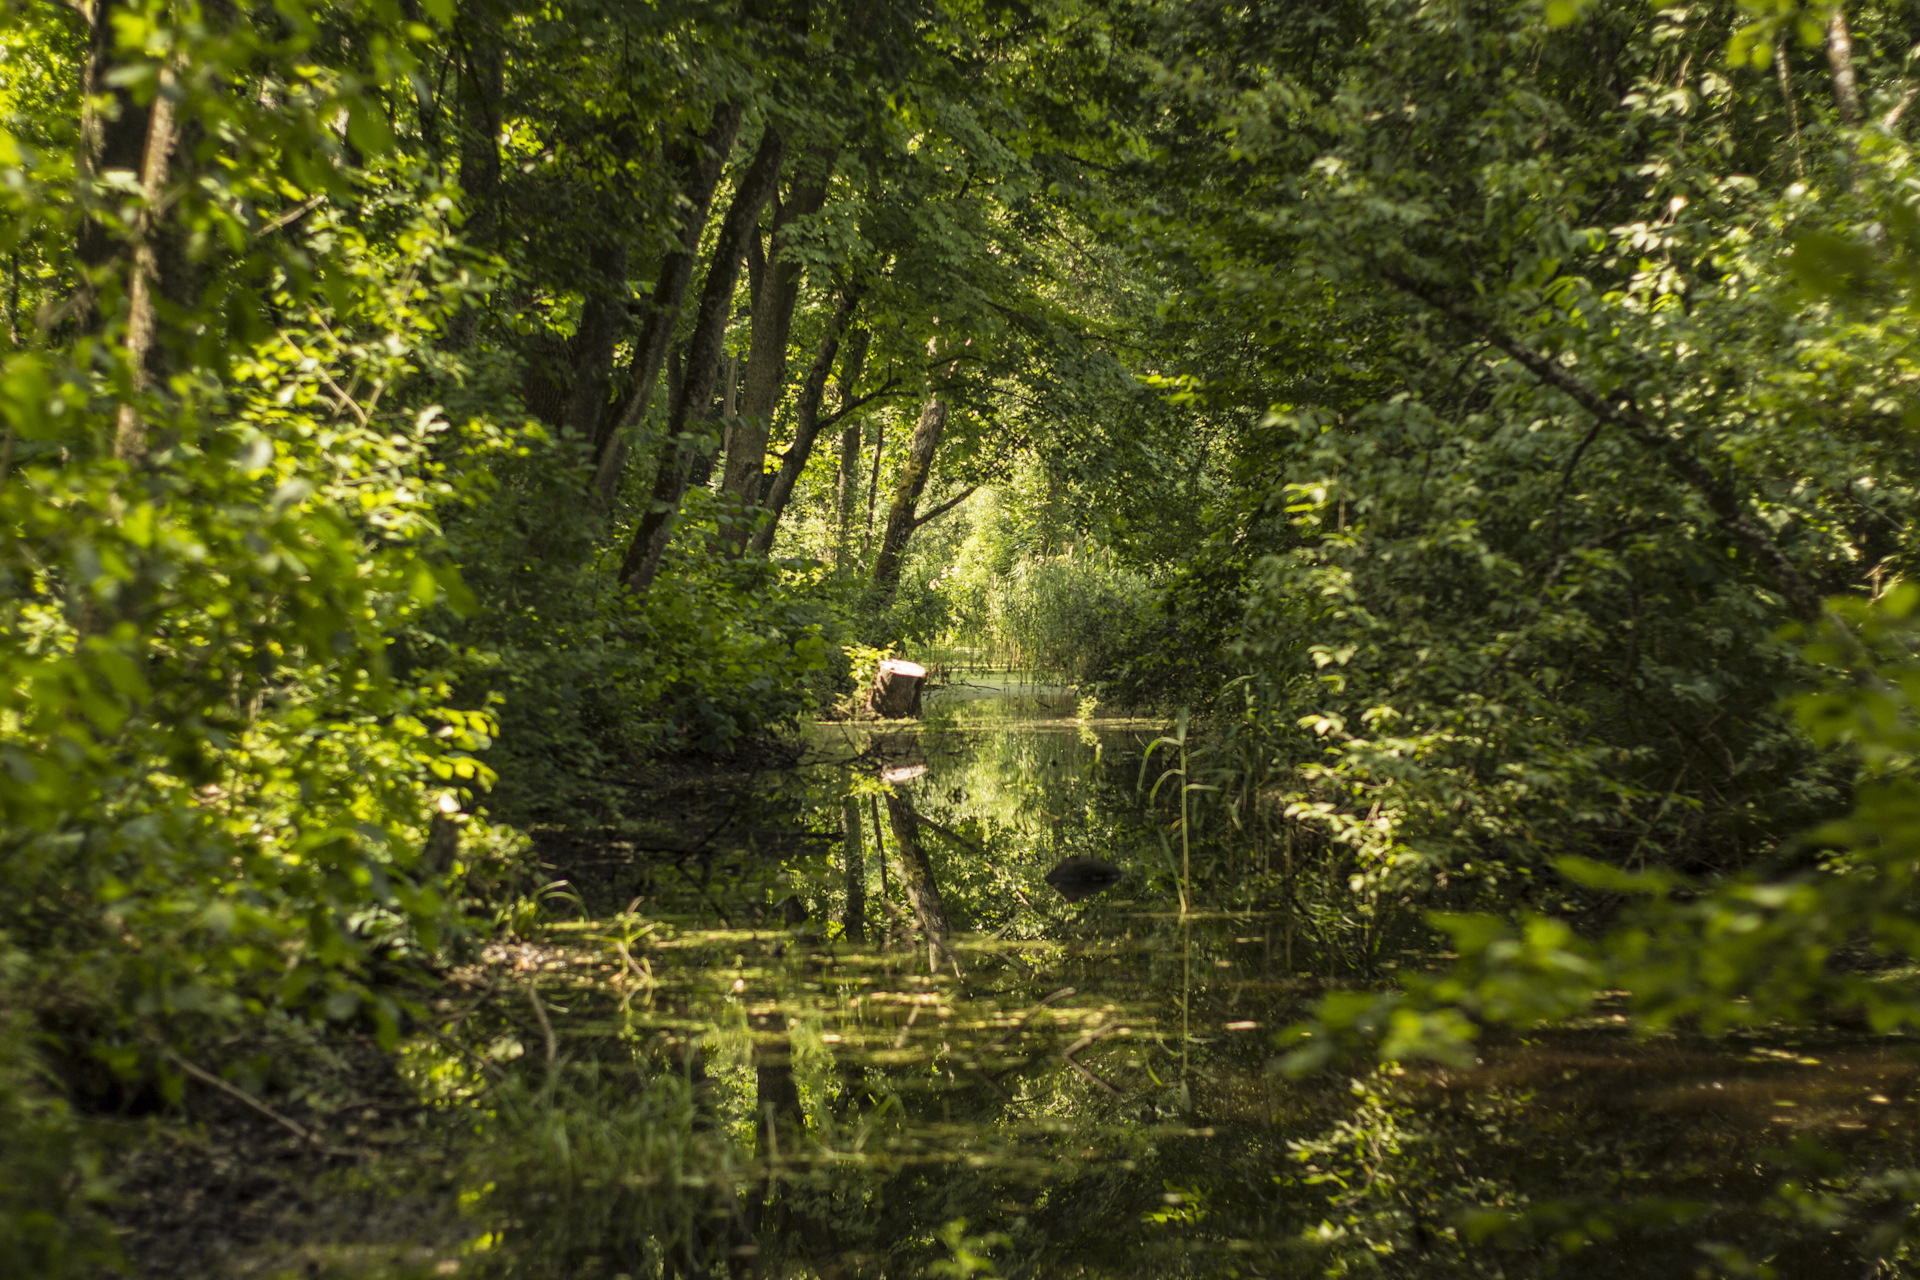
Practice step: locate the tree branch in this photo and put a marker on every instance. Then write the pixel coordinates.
(881, 392)
(291, 216)
(946, 506)
(1730, 507)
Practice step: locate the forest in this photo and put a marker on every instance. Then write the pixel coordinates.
(1002, 638)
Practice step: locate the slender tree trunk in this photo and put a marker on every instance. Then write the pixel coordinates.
(699, 161)
(600, 321)
(773, 309)
(109, 141)
(1846, 89)
(711, 451)
(482, 86)
(906, 497)
(855, 919)
(1785, 70)
(692, 407)
(923, 891)
(873, 483)
(130, 428)
(806, 422)
(848, 490)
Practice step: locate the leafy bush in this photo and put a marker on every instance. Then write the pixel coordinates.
(589, 682)
(51, 1186)
(1069, 613)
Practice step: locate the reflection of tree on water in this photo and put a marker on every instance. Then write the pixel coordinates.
(923, 891)
(823, 1100)
(855, 918)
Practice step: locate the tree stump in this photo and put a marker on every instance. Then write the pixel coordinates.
(896, 689)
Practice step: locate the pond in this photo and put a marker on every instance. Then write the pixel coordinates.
(834, 1019)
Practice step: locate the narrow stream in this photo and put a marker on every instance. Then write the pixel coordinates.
(881, 1040)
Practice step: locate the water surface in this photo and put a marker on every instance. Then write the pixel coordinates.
(897, 1047)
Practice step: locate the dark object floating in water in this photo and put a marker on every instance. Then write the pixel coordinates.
(1078, 878)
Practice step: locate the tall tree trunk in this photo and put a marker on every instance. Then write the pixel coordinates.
(110, 141)
(600, 321)
(482, 86)
(773, 308)
(692, 407)
(923, 891)
(906, 497)
(806, 421)
(1784, 68)
(848, 490)
(130, 428)
(873, 482)
(1846, 89)
(699, 162)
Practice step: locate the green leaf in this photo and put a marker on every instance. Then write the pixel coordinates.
(25, 389)
(1562, 12)
(367, 128)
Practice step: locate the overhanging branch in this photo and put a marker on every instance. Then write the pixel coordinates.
(946, 506)
(1728, 506)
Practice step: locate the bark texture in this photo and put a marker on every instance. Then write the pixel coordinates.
(773, 307)
(482, 86)
(895, 694)
(130, 427)
(1846, 88)
(113, 138)
(601, 318)
(848, 489)
(873, 483)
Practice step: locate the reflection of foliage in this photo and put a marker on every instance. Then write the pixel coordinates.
(591, 1173)
(971, 1254)
(51, 1188)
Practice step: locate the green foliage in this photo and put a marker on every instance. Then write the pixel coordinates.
(217, 790)
(588, 682)
(1452, 400)
(1741, 951)
(51, 1185)
(593, 1177)
(1009, 593)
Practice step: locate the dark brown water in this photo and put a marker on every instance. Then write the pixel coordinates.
(844, 1026)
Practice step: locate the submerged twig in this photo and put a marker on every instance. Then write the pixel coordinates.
(246, 1099)
(546, 1026)
(1091, 1036)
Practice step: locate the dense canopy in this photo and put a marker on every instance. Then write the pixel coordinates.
(458, 455)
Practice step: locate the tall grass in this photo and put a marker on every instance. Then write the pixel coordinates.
(1065, 615)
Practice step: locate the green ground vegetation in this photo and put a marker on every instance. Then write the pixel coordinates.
(1485, 429)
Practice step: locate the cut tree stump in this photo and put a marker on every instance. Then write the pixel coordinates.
(896, 689)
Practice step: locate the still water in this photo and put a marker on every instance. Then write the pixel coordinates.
(834, 1019)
